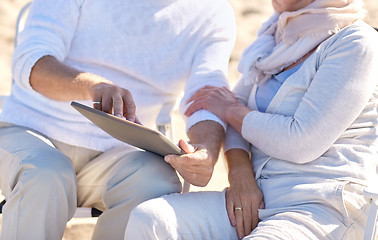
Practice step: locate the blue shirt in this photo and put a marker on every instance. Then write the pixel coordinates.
(266, 92)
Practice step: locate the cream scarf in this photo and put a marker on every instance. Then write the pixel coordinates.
(288, 36)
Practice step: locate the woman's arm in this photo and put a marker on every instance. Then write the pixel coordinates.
(220, 101)
(243, 197)
(337, 95)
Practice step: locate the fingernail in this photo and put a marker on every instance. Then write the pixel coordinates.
(167, 159)
(131, 119)
(119, 115)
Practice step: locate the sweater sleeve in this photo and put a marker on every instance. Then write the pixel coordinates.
(233, 138)
(210, 63)
(338, 93)
(49, 29)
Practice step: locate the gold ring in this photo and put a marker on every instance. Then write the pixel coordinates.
(238, 208)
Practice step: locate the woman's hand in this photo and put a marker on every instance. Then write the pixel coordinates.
(221, 102)
(243, 197)
(215, 99)
(115, 100)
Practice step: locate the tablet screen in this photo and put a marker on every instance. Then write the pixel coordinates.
(129, 132)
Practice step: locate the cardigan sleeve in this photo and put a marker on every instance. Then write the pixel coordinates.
(210, 63)
(338, 93)
(233, 138)
(49, 29)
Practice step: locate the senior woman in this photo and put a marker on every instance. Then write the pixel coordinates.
(306, 108)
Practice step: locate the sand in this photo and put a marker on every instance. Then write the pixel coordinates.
(249, 15)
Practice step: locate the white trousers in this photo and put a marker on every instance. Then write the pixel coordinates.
(203, 216)
(44, 181)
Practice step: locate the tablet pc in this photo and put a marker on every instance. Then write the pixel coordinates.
(129, 132)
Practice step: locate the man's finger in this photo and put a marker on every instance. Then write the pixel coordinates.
(118, 106)
(129, 107)
(186, 147)
(184, 162)
(97, 104)
(107, 103)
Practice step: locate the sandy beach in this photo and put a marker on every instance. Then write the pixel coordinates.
(249, 15)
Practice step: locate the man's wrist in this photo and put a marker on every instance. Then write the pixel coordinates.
(209, 134)
(89, 81)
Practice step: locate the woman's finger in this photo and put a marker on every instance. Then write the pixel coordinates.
(255, 216)
(201, 92)
(238, 211)
(197, 104)
(247, 218)
(230, 208)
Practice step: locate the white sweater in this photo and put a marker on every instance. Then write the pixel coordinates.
(323, 121)
(154, 48)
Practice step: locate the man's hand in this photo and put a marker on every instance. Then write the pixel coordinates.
(197, 165)
(60, 82)
(115, 100)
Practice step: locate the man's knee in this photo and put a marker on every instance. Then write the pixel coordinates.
(158, 177)
(149, 176)
(49, 172)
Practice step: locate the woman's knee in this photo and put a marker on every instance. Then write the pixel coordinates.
(148, 220)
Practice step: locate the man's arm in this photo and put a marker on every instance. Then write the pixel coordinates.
(60, 82)
(197, 165)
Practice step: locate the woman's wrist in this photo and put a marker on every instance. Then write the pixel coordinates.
(239, 163)
(235, 115)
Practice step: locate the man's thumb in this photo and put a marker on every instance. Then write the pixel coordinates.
(186, 147)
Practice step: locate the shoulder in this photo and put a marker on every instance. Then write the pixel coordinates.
(216, 9)
(357, 42)
(358, 35)
(216, 16)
